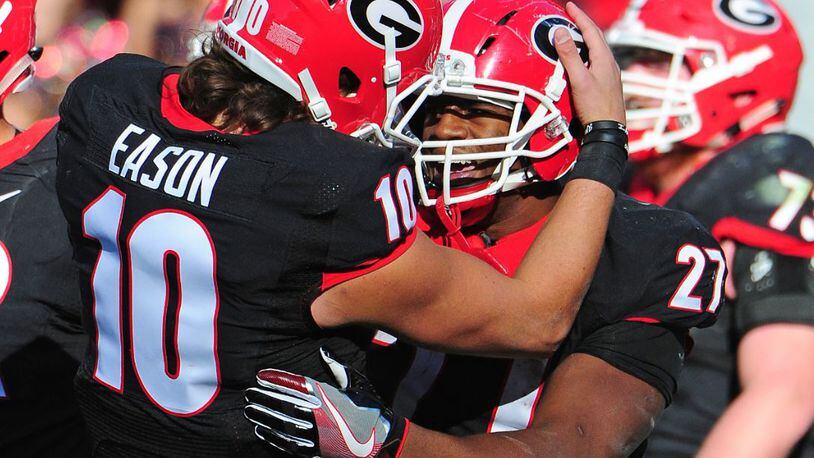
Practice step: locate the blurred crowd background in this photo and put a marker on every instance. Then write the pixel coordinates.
(77, 34)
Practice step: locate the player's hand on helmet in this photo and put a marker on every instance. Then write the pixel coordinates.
(307, 418)
(596, 89)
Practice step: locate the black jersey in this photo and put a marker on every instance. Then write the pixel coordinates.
(758, 195)
(660, 273)
(41, 338)
(200, 254)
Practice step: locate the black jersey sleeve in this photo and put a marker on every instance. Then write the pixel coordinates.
(375, 221)
(761, 189)
(686, 276)
(772, 288)
(651, 353)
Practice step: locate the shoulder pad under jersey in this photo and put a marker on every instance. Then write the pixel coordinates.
(758, 193)
(659, 266)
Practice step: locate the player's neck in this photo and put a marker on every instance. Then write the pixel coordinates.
(518, 210)
(7, 131)
(666, 172)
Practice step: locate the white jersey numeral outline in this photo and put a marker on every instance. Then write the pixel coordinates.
(799, 192)
(195, 383)
(683, 297)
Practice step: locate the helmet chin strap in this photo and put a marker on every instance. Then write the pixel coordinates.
(318, 106)
(392, 66)
(450, 217)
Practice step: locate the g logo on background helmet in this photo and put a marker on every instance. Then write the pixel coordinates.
(372, 17)
(754, 16)
(542, 35)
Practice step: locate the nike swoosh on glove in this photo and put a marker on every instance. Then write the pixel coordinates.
(307, 418)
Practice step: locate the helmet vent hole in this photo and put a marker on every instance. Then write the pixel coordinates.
(3, 55)
(506, 18)
(349, 83)
(485, 46)
(331, 3)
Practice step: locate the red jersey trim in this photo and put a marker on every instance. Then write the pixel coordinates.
(403, 438)
(174, 112)
(643, 319)
(23, 143)
(331, 279)
(761, 237)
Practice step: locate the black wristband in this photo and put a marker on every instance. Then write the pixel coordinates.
(605, 131)
(605, 125)
(603, 153)
(601, 161)
(615, 137)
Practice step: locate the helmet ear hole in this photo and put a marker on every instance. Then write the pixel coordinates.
(3, 55)
(349, 83)
(486, 45)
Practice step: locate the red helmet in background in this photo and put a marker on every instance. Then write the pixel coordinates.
(17, 50)
(603, 12)
(732, 68)
(500, 52)
(215, 12)
(343, 58)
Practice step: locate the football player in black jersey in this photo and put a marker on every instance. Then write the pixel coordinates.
(219, 229)
(660, 274)
(41, 338)
(707, 82)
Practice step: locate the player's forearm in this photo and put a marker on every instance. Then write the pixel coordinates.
(776, 406)
(760, 423)
(556, 440)
(421, 443)
(530, 314)
(560, 264)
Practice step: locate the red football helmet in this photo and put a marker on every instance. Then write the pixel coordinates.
(730, 71)
(500, 52)
(344, 58)
(603, 12)
(17, 50)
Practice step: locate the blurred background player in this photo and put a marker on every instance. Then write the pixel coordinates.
(41, 339)
(498, 110)
(220, 227)
(706, 83)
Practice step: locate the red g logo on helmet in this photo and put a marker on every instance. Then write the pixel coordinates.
(543, 37)
(371, 18)
(755, 16)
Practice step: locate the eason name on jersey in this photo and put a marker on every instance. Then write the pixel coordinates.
(184, 173)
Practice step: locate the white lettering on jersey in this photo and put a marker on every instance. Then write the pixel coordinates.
(179, 172)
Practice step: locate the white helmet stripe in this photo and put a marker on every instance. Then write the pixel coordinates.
(451, 19)
(11, 76)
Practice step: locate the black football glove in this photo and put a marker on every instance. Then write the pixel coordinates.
(307, 418)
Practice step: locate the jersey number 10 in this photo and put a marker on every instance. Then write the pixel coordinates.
(195, 382)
